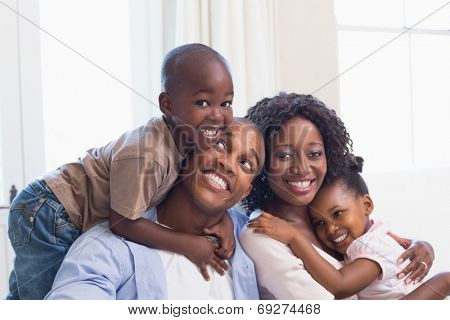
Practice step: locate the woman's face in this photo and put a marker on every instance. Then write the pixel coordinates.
(221, 176)
(297, 164)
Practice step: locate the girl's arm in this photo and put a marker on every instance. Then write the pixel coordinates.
(436, 288)
(342, 283)
(198, 249)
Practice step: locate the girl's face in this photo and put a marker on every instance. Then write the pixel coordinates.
(298, 162)
(339, 216)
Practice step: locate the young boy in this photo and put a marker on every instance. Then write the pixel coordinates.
(121, 180)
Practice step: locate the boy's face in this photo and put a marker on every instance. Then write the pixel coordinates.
(221, 176)
(200, 104)
(339, 216)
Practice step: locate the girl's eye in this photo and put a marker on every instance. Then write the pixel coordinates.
(202, 103)
(284, 155)
(318, 223)
(226, 104)
(315, 154)
(247, 165)
(337, 214)
(221, 145)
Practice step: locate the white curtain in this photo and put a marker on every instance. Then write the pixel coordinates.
(241, 30)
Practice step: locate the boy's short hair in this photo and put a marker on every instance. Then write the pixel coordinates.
(177, 57)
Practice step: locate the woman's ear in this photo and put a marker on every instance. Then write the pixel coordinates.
(165, 104)
(368, 204)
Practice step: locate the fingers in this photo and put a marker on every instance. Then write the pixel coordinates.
(204, 272)
(418, 274)
(225, 252)
(408, 254)
(213, 230)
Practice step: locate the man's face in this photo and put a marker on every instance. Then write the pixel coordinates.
(200, 104)
(221, 176)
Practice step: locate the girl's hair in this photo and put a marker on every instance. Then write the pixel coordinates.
(270, 114)
(350, 176)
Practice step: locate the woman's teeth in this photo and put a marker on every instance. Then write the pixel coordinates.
(300, 184)
(340, 238)
(208, 133)
(216, 180)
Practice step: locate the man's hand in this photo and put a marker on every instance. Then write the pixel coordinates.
(224, 230)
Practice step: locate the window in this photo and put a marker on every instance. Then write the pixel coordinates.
(396, 102)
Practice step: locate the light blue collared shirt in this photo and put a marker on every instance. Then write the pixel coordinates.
(101, 265)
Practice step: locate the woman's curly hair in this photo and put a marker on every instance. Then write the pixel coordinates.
(270, 114)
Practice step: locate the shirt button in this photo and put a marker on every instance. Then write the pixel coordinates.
(31, 219)
(36, 208)
(41, 200)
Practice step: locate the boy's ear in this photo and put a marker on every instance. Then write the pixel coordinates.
(368, 204)
(165, 104)
(247, 192)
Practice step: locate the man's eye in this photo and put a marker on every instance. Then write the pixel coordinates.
(226, 104)
(202, 103)
(284, 155)
(247, 165)
(221, 145)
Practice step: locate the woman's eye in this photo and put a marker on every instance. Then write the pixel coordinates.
(226, 104)
(284, 155)
(337, 214)
(221, 145)
(202, 103)
(315, 154)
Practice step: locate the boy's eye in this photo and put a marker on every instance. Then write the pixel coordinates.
(226, 104)
(202, 103)
(337, 214)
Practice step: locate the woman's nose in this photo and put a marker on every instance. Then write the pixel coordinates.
(301, 166)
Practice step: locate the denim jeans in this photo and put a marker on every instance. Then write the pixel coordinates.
(41, 233)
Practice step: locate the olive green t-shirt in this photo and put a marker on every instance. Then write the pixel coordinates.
(128, 175)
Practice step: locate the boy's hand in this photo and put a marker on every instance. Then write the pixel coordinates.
(201, 251)
(224, 230)
(274, 227)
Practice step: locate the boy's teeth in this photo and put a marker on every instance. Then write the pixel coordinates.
(218, 181)
(300, 184)
(209, 133)
(340, 238)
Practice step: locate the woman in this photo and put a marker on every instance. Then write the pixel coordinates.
(305, 144)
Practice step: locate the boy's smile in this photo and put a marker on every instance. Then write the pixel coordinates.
(199, 105)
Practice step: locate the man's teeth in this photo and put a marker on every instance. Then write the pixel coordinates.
(209, 133)
(218, 181)
(340, 238)
(300, 184)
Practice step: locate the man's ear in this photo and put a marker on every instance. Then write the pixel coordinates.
(247, 192)
(368, 204)
(165, 104)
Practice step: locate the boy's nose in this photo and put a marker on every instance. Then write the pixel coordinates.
(216, 114)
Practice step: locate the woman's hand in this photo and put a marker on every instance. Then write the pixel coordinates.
(274, 227)
(224, 230)
(421, 254)
(202, 251)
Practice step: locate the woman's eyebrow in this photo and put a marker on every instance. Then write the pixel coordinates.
(316, 142)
